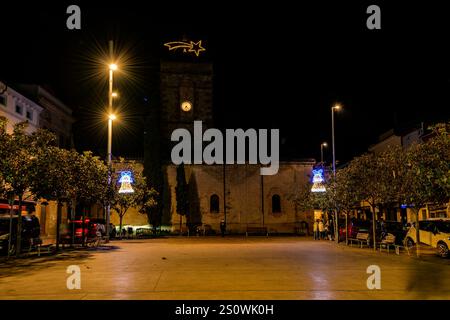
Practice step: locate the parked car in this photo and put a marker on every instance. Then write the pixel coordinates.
(354, 227)
(432, 232)
(30, 237)
(73, 231)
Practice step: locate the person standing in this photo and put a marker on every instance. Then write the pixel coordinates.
(223, 227)
(321, 230)
(331, 230)
(327, 230)
(316, 230)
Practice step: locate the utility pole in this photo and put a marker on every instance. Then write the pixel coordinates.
(110, 119)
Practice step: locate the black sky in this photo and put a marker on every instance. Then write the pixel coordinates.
(277, 65)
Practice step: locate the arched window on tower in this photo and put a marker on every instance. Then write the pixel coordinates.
(214, 204)
(276, 203)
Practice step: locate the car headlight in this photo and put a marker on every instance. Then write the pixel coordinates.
(4, 236)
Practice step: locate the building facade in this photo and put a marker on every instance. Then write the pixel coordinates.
(16, 107)
(56, 116)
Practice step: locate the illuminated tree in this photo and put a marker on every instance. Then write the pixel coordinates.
(427, 178)
(56, 180)
(18, 156)
(89, 180)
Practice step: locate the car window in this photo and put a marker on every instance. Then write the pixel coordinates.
(443, 226)
(424, 225)
(431, 227)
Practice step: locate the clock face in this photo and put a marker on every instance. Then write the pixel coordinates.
(186, 106)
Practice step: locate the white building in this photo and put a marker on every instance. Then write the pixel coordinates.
(17, 108)
(56, 116)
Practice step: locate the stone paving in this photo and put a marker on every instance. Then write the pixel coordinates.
(226, 268)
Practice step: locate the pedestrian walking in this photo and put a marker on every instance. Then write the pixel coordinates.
(316, 230)
(321, 230)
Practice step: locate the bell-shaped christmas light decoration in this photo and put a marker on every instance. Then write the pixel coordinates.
(125, 181)
(318, 181)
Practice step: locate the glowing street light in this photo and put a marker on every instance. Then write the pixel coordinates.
(113, 67)
(114, 95)
(324, 144)
(336, 107)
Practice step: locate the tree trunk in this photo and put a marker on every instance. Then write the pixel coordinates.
(336, 227)
(19, 227)
(72, 218)
(83, 234)
(416, 211)
(58, 223)
(181, 224)
(346, 229)
(11, 213)
(374, 228)
(120, 225)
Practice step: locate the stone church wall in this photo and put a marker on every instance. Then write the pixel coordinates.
(248, 196)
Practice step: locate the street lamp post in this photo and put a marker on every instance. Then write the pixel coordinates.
(324, 144)
(336, 227)
(337, 108)
(111, 118)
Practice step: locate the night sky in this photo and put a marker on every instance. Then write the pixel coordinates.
(277, 65)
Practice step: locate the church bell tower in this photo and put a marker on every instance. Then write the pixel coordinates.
(186, 95)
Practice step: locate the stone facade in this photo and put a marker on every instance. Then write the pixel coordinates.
(248, 196)
(181, 83)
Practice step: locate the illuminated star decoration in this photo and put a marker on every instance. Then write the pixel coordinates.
(191, 46)
(125, 181)
(318, 181)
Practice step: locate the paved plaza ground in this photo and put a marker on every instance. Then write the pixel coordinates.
(226, 268)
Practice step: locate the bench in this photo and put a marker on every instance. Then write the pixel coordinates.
(143, 233)
(389, 241)
(257, 230)
(361, 238)
(47, 247)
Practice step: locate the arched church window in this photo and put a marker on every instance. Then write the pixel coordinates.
(214, 204)
(276, 203)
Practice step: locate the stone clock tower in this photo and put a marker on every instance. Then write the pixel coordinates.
(186, 95)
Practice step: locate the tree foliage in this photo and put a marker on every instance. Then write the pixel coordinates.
(413, 176)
